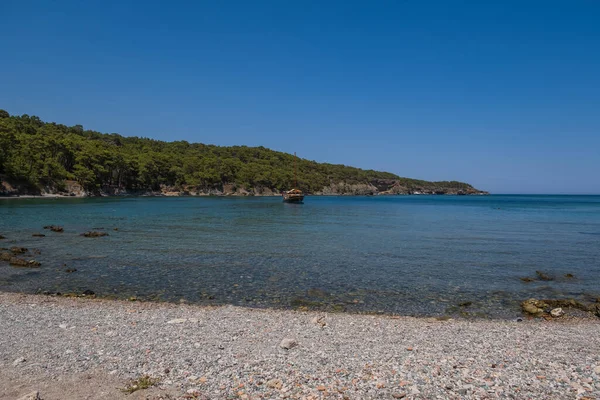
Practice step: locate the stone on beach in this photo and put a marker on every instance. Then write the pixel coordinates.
(288, 343)
(177, 321)
(319, 320)
(557, 312)
(275, 384)
(35, 395)
(18, 361)
(533, 307)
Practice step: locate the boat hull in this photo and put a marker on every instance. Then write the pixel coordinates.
(293, 198)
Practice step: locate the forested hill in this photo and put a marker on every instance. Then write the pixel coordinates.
(37, 156)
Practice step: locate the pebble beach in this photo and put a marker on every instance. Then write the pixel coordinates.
(79, 348)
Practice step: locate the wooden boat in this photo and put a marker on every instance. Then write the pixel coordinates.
(294, 195)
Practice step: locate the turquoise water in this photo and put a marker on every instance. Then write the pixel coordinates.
(417, 255)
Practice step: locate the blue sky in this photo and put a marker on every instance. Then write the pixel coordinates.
(504, 95)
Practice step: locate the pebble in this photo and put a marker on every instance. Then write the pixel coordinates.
(319, 320)
(557, 312)
(356, 357)
(18, 361)
(288, 343)
(275, 384)
(177, 321)
(31, 396)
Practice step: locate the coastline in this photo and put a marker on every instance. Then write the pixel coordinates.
(51, 344)
(59, 196)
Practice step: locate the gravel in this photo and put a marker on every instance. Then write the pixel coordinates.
(231, 352)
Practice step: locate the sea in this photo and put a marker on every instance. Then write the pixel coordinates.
(456, 256)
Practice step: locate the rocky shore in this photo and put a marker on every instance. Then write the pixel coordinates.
(373, 187)
(74, 348)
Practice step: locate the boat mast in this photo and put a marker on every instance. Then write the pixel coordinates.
(295, 172)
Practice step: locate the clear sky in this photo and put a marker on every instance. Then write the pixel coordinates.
(502, 94)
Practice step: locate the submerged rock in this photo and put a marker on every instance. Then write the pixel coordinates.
(5, 256)
(570, 276)
(94, 234)
(19, 262)
(543, 276)
(54, 228)
(527, 279)
(2, 237)
(18, 250)
(38, 235)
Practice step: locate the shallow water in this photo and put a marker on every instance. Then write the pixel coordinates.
(416, 255)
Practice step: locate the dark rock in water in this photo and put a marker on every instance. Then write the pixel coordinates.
(70, 270)
(543, 276)
(115, 229)
(54, 228)
(19, 262)
(465, 304)
(527, 279)
(94, 234)
(2, 237)
(18, 250)
(88, 292)
(5, 256)
(570, 276)
(38, 235)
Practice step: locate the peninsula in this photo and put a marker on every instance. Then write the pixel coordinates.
(47, 158)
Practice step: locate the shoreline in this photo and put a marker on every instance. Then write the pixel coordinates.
(62, 347)
(59, 196)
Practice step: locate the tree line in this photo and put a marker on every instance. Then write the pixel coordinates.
(45, 154)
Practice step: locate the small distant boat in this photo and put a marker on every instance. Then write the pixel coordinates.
(294, 195)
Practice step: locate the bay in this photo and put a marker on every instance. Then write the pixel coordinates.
(411, 255)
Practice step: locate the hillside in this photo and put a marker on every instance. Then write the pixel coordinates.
(45, 157)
